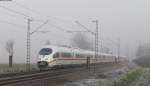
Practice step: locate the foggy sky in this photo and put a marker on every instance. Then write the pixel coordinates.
(124, 19)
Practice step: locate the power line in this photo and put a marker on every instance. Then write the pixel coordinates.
(29, 9)
(26, 16)
(59, 28)
(39, 13)
(6, 22)
(39, 27)
(64, 30)
(19, 13)
(15, 16)
(85, 28)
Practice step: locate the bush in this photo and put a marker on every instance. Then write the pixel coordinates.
(128, 79)
(143, 61)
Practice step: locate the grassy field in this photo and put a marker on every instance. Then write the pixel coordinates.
(144, 79)
(128, 79)
(4, 68)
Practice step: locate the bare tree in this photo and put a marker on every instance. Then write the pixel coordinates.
(80, 40)
(10, 49)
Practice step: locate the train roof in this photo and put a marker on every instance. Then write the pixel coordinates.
(76, 50)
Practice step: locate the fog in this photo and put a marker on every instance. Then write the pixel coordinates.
(127, 20)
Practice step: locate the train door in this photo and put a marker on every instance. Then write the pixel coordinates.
(88, 61)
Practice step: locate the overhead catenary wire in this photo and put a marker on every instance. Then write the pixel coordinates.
(41, 14)
(56, 26)
(59, 28)
(39, 27)
(16, 25)
(27, 16)
(22, 16)
(20, 13)
(85, 28)
(9, 9)
(14, 16)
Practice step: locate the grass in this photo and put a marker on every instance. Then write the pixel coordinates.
(4, 68)
(128, 79)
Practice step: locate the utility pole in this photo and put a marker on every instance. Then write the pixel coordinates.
(28, 45)
(96, 40)
(118, 48)
(29, 33)
(96, 44)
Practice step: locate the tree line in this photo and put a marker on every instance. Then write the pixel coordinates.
(143, 55)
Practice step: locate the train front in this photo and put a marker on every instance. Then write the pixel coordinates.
(45, 55)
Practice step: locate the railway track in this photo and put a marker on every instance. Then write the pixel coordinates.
(37, 75)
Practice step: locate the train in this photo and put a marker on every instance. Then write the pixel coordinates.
(52, 56)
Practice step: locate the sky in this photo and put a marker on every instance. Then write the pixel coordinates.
(127, 20)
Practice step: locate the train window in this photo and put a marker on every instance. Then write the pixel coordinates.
(80, 56)
(66, 54)
(45, 51)
(77, 55)
(56, 55)
(91, 56)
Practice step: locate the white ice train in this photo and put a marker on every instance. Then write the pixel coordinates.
(57, 56)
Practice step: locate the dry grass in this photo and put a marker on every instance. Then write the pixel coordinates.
(4, 68)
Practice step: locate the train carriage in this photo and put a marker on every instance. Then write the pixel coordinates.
(57, 56)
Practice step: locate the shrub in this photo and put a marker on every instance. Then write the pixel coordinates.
(128, 79)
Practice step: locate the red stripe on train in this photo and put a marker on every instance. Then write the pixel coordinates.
(67, 59)
(52, 61)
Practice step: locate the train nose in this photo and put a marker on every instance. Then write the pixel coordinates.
(42, 64)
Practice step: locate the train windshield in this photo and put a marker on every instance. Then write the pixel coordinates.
(45, 51)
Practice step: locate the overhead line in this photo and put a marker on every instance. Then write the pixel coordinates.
(19, 13)
(12, 24)
(15, 16)
(84, 27)
(26, 16)
(14, 11)
(39, 13)
(57, 27)
(39, 27)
